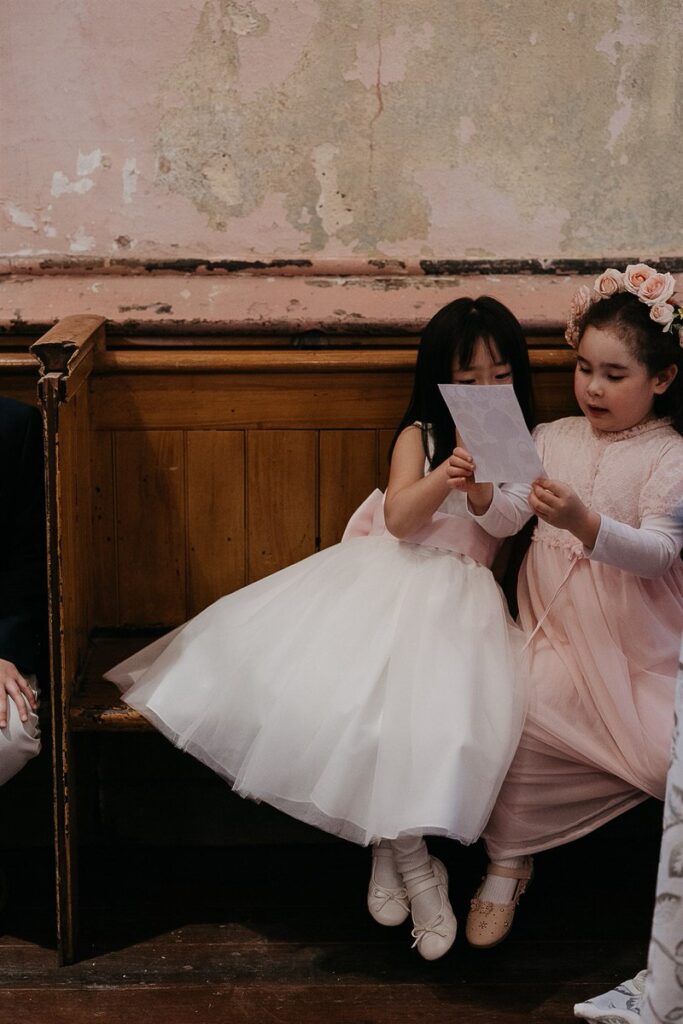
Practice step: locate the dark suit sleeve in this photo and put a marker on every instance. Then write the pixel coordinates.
(23, 577)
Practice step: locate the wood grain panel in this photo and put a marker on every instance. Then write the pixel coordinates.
(215, 515)
(249, 400)
(554, 396)
(200, 359)
(150, 527)
(267, 360)
(281, 498)
(104, 561)
(384, 439)
(348, 473)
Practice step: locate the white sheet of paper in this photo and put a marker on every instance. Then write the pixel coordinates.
(491, 425)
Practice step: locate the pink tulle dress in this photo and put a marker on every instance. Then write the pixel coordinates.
(604, 640)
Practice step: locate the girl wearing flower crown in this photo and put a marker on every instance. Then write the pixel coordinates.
(373, 689)
(601, 589)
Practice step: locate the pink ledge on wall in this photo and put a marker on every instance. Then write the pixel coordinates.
(282, 296)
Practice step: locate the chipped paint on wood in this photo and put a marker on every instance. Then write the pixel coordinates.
(247, 304)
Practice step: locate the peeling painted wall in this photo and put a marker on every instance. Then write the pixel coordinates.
(339, 129)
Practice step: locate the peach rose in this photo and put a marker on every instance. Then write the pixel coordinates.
(635, 275)
(657, 288)
(662, 313)
(609, 283)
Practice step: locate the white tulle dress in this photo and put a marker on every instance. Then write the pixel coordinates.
(373, 690)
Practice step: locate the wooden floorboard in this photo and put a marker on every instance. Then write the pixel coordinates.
(281, 934)
(228, 1004)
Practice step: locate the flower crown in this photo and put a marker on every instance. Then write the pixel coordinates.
(641, 280)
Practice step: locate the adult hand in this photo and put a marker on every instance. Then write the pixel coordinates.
(14, 686)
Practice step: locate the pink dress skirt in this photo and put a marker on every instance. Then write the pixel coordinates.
(604, 650)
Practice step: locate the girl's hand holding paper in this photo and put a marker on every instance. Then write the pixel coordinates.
(460, 469)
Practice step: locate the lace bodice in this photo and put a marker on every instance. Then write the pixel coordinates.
(625, 475)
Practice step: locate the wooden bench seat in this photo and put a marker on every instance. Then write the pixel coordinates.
(96, 704)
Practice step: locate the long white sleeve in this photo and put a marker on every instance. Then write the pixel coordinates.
(508, 512)
(649, 550)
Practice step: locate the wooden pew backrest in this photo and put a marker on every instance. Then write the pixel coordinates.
(212, 469)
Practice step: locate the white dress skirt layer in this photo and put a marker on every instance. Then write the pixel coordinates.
(372, 690)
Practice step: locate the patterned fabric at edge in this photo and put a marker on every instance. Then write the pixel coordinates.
(663, 1002)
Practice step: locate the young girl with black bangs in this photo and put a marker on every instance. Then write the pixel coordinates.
(601, 590)
(372, 690)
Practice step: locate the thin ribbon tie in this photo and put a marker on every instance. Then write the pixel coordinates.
(388, 895)
(420, 931)
(574, 559)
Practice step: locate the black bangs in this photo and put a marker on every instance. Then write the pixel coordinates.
(465, 351)
(474, 331)
(451, 335)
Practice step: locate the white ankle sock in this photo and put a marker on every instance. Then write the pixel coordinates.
(412, 861)
(501, 890)
(386, 872)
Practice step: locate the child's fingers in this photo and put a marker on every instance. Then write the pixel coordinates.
(461, 475)
(462, 453)
(543, 512)
(552, 487)
(548, 485)
(546, 495)
(461, 458)
(539, 507)
(3, 708)
(463, 465)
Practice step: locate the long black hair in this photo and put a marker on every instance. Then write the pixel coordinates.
(654, 348)
(452, 333)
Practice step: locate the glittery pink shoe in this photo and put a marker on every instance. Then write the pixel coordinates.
(489, 923)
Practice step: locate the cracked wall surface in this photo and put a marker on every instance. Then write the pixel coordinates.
(251, 129)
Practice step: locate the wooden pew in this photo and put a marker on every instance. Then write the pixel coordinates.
(175, 476)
